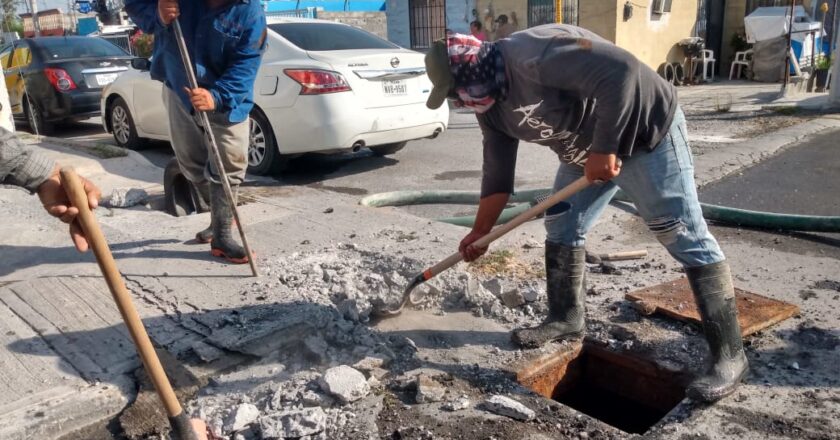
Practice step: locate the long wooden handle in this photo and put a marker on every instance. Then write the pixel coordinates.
(624, 255)
(501, 230)
(75, 191)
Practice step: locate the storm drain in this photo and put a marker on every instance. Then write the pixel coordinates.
(626, 392)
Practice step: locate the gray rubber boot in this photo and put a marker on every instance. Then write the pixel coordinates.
(205, 235)
(565, 270)
(727, 366)
(221, 212)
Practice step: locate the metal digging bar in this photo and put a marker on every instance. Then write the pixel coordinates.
(214, 148)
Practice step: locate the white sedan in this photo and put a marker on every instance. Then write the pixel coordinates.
(323, 87)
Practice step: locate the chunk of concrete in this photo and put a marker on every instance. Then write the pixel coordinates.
(241, 416)
(513, 298)
(505, 406)
(494, 286)
(126, 198)
(458, 404)
(428, 390)
(293, 424)
(530, 294)
(345, 384)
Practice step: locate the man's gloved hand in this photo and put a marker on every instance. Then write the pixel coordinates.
(168, 11)
(55, 200)
(202, 100)
(601, 167)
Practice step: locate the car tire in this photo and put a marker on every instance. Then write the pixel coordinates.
(35, 119)
(122, 126)
(388, 149)
(180, 196)
(263, 156)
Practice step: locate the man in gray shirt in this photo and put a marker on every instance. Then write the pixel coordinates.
(608, 117)
(22, 166)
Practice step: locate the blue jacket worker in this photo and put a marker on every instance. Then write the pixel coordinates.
(225, 40)
(609, 118)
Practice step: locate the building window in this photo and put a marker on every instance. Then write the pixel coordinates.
(427, 21)
(661, 7)
(552, 11)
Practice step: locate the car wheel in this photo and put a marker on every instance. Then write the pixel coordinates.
(388, 149)
(35, 119)
(180, 196)
(263, 156)
(122, 125)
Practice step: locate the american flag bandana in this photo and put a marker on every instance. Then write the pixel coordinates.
(478, 70)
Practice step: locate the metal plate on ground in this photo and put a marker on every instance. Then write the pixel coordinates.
(675, 299)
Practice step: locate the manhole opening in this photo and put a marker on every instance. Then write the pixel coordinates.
(626, 392)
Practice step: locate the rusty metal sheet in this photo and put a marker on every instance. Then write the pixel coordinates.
(675, 299)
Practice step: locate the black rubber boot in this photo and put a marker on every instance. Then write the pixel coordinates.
(223, 244)
(715, 296)
(205, 235)
(565, 278)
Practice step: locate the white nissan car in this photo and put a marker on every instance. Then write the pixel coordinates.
(323, 87)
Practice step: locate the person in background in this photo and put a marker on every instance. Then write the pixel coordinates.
(504, 27)
(22, 166)
(476, 29)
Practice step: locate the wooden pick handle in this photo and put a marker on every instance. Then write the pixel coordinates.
(78, 198)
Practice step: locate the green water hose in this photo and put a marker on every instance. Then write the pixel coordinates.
(525, 199)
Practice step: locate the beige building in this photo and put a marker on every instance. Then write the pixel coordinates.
(649, 35)
(652, 35)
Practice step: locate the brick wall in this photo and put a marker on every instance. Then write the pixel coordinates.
(373, 22)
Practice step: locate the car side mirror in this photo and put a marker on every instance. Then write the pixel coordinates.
(141, 64)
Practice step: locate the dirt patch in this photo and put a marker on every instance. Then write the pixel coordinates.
(454, 175)
(506, 263)
(827, 285)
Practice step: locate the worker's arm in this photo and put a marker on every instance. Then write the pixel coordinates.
(498, 172)
(20, 165)
(149, 14)
(238, 79)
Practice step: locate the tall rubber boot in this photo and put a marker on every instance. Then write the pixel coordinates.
(565, 273)
(727, 366)
(221, 217)
(205, 235)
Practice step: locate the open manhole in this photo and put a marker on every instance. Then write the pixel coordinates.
(627, 392)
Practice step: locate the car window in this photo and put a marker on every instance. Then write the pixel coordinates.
(5, 56)
(21, 57)
(61, 48)
(328, 36)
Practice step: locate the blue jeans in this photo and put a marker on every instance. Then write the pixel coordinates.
(661, 185)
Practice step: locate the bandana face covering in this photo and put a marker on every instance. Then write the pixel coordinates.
(478, 70)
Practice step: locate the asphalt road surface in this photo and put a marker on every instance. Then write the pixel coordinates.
(803, 179)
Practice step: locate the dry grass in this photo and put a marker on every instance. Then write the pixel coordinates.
(505, 263)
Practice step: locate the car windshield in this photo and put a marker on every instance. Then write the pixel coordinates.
(328, 36)
(60, 48)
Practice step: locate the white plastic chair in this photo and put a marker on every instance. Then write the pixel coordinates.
(707, 57)
(742, 59)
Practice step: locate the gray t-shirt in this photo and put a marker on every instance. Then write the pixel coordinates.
(575, 92)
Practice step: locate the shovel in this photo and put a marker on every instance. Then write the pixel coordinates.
(426, 275)
(179, 419)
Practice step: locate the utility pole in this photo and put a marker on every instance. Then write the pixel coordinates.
(33, 7)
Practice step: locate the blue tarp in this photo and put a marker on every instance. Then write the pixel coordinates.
(326, 5)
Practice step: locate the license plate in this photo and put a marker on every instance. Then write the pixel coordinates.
(394, 88)
(103, 79)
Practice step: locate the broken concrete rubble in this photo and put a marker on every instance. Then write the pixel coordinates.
(345, 383)
(293, 423)
(428, 390)
(505, 406)
(242, 416)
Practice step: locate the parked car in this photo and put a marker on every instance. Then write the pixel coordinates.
(323, 87)
(55, 79)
